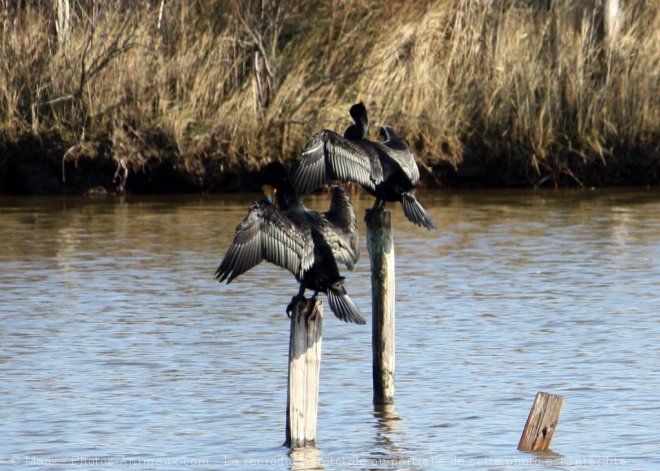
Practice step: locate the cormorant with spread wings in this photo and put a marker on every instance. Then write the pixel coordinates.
(385, 169)
(307, 243)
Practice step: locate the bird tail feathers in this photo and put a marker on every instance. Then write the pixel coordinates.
(416, 213)
(343, 307)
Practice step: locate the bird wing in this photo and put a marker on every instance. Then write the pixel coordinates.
(406, 160)
(344, 250)
(399, 151)
(267, 234)
(341, 215)
(329, 156)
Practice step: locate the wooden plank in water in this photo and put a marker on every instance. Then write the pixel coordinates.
(304, 371)
(380, 244)
(541, 423)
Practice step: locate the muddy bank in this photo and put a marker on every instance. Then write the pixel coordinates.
(33, 166)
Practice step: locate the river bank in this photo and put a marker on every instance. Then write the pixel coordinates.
(163, 98)
(37, 168)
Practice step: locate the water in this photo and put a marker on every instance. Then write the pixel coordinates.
(118, 349)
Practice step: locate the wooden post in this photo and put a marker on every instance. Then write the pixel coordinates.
(380, 244)
(541, 423)
(304, 370)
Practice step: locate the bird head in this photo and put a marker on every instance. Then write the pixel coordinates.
(275, 180)
(269, 192)
(359, 114)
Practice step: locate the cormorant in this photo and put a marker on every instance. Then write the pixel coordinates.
(307, 243)
(385, 169)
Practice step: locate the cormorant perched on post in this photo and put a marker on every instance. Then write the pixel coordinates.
(307, 243)
(385, 169)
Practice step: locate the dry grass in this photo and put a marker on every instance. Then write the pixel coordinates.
(525, 95)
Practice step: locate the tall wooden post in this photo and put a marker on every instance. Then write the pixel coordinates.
(304, 371)
(380, 244)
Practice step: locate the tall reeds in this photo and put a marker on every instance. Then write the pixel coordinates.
(508, 91)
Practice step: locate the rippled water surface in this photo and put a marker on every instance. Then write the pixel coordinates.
(119, 349)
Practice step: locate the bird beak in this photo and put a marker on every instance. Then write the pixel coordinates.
(269, 191)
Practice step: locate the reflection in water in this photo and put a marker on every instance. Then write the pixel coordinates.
(547, 455)
(389, 438)
(306, 459)
(117, 342)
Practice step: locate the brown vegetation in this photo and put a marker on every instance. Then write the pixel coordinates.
(171, 96)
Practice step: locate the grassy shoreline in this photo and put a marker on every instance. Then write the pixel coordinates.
(168, 97)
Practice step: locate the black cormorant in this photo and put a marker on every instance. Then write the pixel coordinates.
(385, 169)
(307, 243)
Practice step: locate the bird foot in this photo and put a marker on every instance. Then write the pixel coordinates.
(374, 213)
(379, 205)
(295, 300)
(370, 214)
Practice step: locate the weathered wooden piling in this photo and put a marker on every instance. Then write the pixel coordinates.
(541, 423)
(304, 371)
(380, 245)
